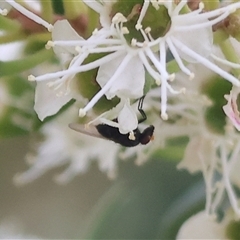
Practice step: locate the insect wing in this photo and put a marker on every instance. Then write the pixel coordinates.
(88, 130)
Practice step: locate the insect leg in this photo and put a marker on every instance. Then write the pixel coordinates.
(140, 105)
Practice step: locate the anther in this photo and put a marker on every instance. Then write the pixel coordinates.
(95, 31)
(131, 136)
(82, 112)
(119, 18)
(171, 77)
(31, 78)
(183, 90)
(49, 44)
(138, 26)
(164, 116)
(147, 30)
(134, 42)
(125, 30)
(50, 28)
(4, 12)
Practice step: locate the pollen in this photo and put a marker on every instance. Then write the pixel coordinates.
(134, 42)
(147, 30)
(164, 116)
(138, 26)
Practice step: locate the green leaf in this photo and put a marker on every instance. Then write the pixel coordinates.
(215, 89)
(137, 201)
(18, 66)
(58, 7)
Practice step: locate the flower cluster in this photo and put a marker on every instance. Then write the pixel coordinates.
(165, 51)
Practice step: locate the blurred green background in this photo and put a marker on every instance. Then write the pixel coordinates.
(146, 202)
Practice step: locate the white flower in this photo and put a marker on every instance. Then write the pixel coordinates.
(200, 226)
(64, 146)
(187, 36)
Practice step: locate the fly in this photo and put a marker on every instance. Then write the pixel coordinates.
(112, 133)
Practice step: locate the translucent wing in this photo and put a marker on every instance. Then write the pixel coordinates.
(88, 130)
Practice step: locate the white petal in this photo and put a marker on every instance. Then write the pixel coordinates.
(47, 102)
(200, 226)
(62, 30)
(129, 84)
(194, 39)
(127, 119)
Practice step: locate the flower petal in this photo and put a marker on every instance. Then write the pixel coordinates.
(129, 84)
(63, 31)
(200, 226)
(47, 102)
(127, 119)
(194, 39)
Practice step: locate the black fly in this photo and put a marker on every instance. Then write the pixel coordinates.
(112, 133)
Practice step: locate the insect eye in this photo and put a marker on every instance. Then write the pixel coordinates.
(147, 135)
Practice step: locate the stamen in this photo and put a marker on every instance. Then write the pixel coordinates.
(82, 68)
(109, 83)
(164, 116)
(119, 18)
(3, 12)
(206, 62)
(79, 49)
(95, 31)
(31, 78)
(147, 30)
(227, 183)
(177, 57)
(225, 62)
(142, 14)
(30, 15)
(134, 42)
(155, 4)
